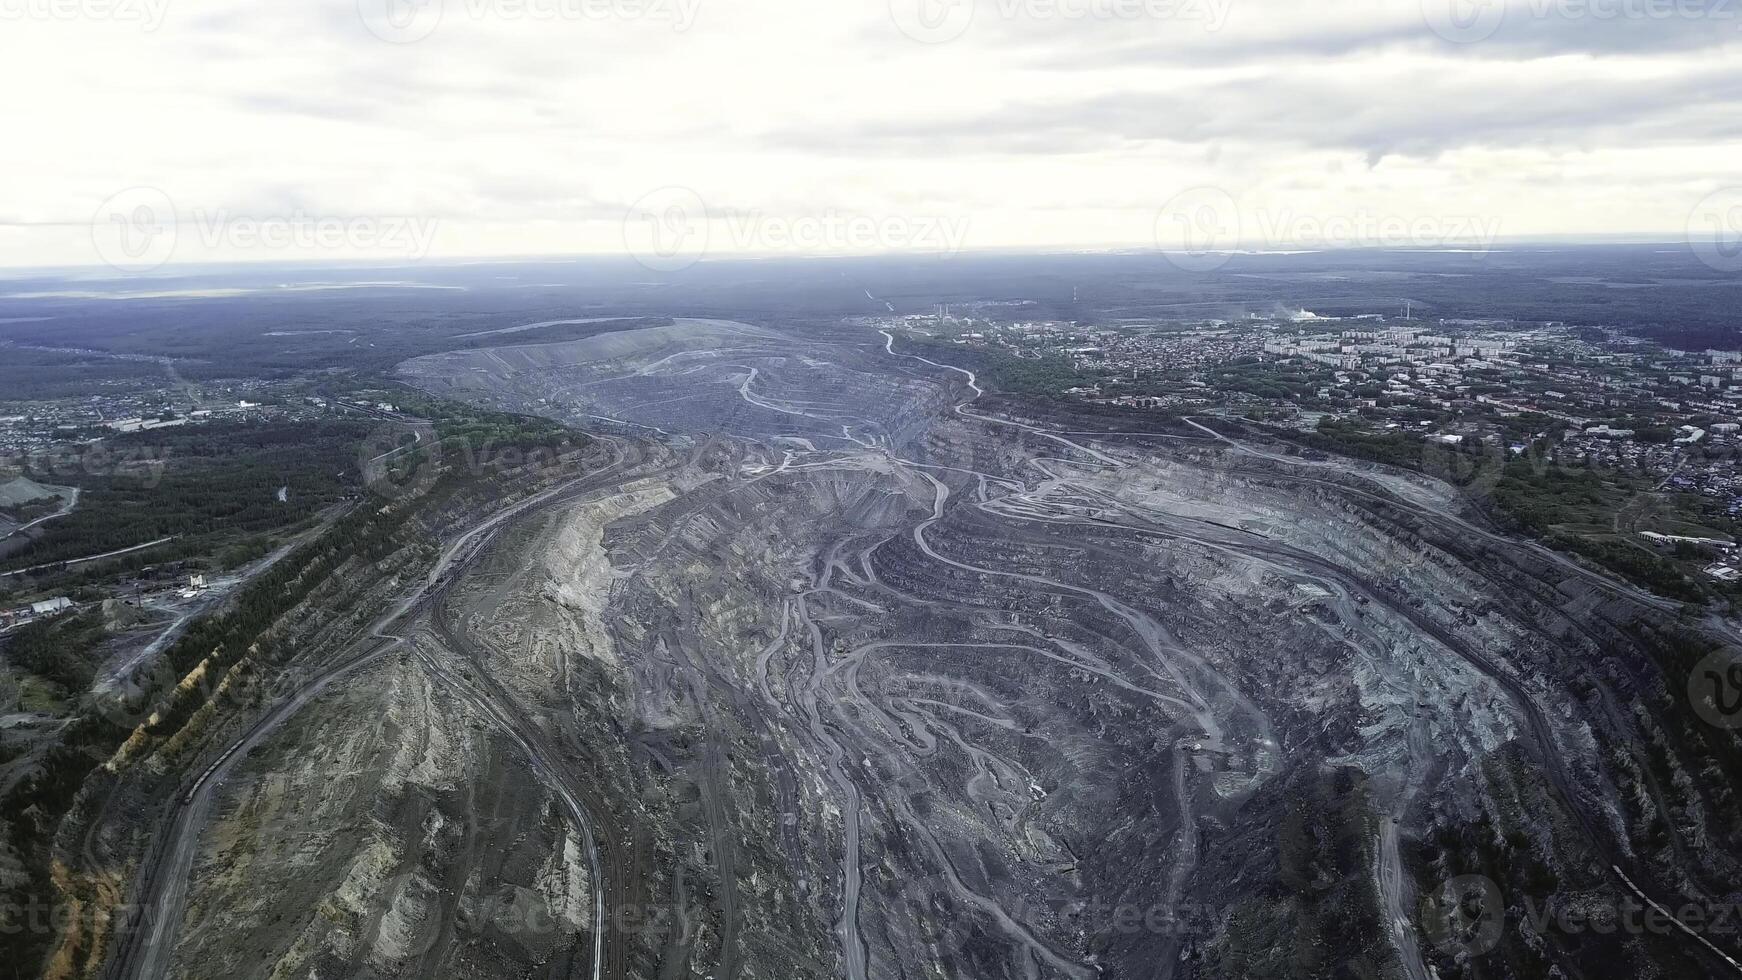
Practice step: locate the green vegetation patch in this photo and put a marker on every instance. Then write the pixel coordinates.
(1047, 376)
(41, 695)
(40, 375)
(61, 651)
(209, 486)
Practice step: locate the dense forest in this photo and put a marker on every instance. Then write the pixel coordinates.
(364, 540)
(32, 375)
(31, 810)
(60, 650)
(216, 484)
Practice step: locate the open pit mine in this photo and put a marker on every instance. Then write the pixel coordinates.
(838, 666)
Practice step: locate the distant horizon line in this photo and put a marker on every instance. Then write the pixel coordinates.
(100, 272)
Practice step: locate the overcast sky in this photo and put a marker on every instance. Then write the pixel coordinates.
(146, 131)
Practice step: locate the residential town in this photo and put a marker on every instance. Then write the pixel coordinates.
(1579, 400)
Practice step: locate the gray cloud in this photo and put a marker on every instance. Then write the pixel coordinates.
(1258, 31)
(528, 134)
(1422, 116)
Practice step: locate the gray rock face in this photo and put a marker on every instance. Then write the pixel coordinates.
(842, 679)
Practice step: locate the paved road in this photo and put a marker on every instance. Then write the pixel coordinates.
(146, 948)
(1538, 732)
(167, 904)
(219, 590)
(88, 558)
(72, 501)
